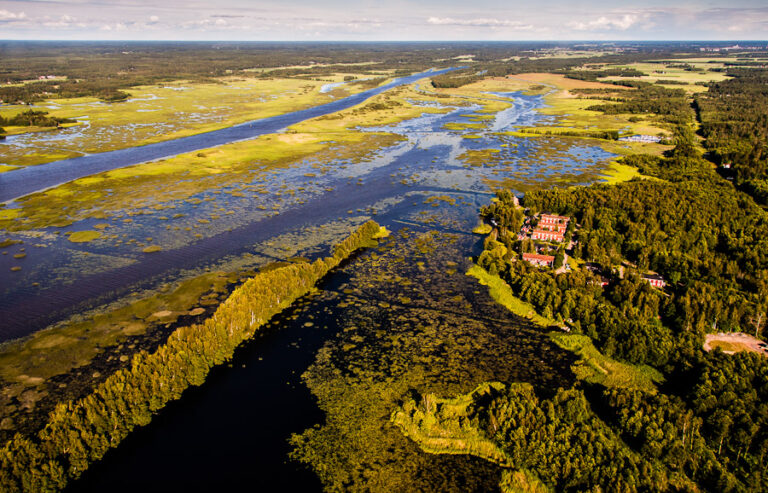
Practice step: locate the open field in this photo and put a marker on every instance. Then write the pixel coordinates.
(690, 80)
(731, 343)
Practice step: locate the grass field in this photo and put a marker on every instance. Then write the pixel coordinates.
(684, 79)
(162, 112)
(502, 294)
(594, 367)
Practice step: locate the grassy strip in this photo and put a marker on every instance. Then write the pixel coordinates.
(81, 432)
(594, 367)
(502, 294)
(617, 173)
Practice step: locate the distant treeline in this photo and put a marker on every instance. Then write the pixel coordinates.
(82, 431)
(33, 118)
(734, 122)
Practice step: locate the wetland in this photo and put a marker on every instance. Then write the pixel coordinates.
(149, 227)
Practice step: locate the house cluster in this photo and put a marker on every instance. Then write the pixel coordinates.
(655, 280)
(641, 138)
(550, 228)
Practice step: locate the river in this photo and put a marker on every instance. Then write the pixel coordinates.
(232, 433)
(30, 179)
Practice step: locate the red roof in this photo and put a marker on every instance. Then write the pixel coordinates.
(538, 257)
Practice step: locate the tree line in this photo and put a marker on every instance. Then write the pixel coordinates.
(80, 432)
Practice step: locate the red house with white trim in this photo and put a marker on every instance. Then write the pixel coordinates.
(655, 280)
(552, 220)
(543, 234)
(538, 259)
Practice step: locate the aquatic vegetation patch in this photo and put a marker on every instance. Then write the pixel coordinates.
(83, 236)
(412, 321)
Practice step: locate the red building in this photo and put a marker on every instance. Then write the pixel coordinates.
(543, 234)
(655, 280)
(551, 219)
(538, 259)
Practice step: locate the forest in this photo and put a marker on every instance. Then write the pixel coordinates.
(82, 431)
(735, 126)
(706, 426)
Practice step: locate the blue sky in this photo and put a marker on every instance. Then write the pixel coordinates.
(369, 20)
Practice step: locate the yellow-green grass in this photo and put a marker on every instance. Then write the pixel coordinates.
(573, 114)
(503, 294)
(5, 167)
(150, 185)
(660, 71)
(522, 481)
(55, 351)
(435, 425)
(181, 109)
(84, 236)
(570, 109)
(388, 108)
(617, 173)
(729, 346)
(594, 367)
(383, 233)
(482, 229)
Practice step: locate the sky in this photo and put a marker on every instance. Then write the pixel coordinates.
(383, 20)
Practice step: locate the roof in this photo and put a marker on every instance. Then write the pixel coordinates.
(548, 231)
(538, 256)
(655, 277)
(555, 216)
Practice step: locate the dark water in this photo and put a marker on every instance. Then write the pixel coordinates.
(33, 178)
(231, 434)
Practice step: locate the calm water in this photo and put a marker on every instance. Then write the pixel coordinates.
(231, 433)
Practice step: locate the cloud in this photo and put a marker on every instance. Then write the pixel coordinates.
(6, 15)
(482, 22)
(153, 18)
(603, 23)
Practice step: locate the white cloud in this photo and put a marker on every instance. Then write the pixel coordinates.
(482, 22)
(153, 18)
(621, 23)
(6, 15)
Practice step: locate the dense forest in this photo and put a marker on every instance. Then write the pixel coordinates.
(33, 118)
(709, 241)
(82, 431)
(734, 123)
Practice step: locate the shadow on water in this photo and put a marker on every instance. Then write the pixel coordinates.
(231, 433)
